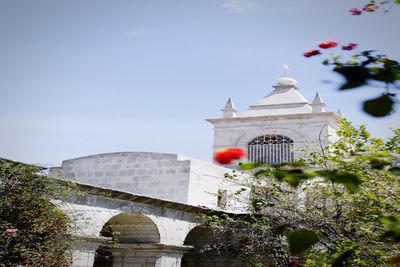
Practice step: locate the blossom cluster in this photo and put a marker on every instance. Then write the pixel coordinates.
(326, 45)
(371, 7)
(10, 231)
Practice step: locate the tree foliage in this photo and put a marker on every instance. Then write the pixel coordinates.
(33, 231)
(338, 208)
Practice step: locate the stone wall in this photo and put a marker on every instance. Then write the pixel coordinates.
(151, 174)
(164, 176)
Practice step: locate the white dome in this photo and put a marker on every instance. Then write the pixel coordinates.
(286, 81)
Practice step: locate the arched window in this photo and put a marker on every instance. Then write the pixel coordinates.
(273, 149)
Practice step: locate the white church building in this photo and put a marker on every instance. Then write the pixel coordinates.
(148, 203)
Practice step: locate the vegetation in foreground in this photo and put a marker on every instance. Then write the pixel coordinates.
(337, 208)
(33, 231)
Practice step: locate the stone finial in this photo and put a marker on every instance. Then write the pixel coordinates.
(339, 113)
(229, 110)
(318, 105)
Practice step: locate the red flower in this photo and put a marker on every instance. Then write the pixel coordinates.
(351, 46)
(296, 261)
(355, 11)
(226, 156)
(245, 241)
(328, 44)
(10, 231)
(394, 259)
(311, 53)
(371, 7)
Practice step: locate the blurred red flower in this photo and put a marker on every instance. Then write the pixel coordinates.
(311, 53)
(355, 11)
(226, 156)
(10, 231)
(328, 44)
(351, 46)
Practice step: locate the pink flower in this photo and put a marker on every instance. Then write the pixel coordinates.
(351, 46)
(355, 11)
(311, 53)
(10, 231)
(328, 44)
(371, 7)
(226, 156)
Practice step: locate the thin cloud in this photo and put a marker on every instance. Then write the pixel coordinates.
(137, 33)
(239, 6)
(248, 6)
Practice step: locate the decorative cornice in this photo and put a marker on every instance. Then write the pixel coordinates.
(332, 115)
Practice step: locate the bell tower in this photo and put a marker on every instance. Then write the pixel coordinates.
(280, 127)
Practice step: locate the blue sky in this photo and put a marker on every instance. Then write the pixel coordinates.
(85, 77)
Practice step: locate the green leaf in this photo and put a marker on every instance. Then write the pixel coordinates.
(264, 172)
(298, 163)
(395, 171)
(248, 166)
(292, 176)
(391, 64)
(342, 259)
(280, 229)
(349, 180)
(393, 226)
(355, 76)
(301, 240)
(379, 163)
(384, 75)
(379, 107)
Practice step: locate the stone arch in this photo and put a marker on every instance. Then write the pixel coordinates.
(297, 137)
(199, 236)
(131, 228)
(126, 229)
(202, 238)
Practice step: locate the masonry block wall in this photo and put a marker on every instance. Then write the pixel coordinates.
(165, 176)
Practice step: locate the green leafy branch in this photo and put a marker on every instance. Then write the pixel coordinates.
(369, 68)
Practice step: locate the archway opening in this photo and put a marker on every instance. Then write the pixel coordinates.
(207, 251)
(131, 228)
(125, 229)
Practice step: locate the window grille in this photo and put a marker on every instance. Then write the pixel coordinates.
(272, 149)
